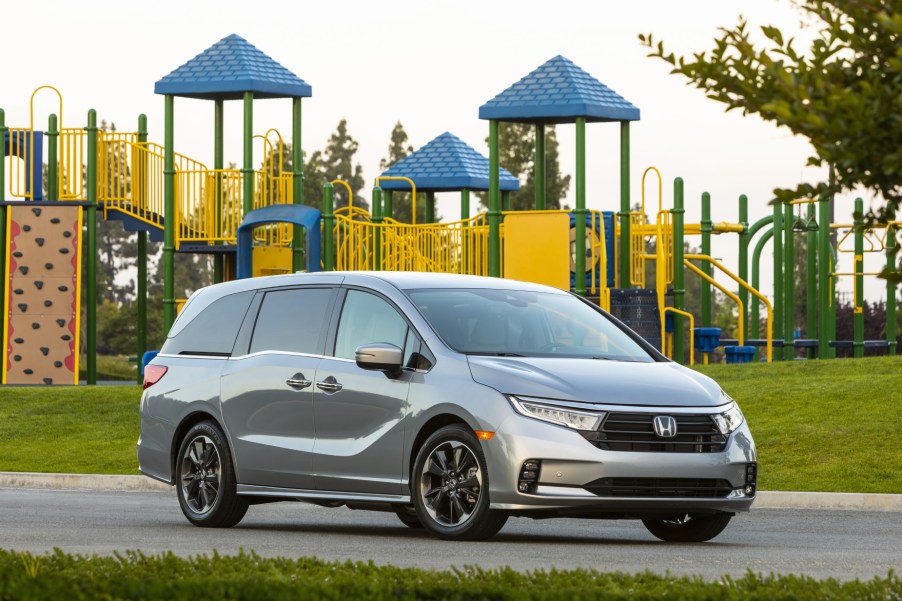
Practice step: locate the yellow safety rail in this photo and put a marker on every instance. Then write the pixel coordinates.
(273, 185)
(72, 158)
(667, 342)
(726, 291)
(413, 193)
(347, 186)
(662, 230)
(20, 180)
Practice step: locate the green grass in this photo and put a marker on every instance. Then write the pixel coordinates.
(248, 576)
(110, 368)
(819, 425)
(829, 426)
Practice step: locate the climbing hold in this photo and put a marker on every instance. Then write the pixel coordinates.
(38, 284)
(35, 326)
(22, 307)
(37, 212)
(64, 251)
(29, 371)
(19, 340)
(48, 265)
(18, 254)
(63, 289)
(48, 303)
(39, 241)
(26, 228)
(48, 381)
(67, 234)
(45, 351)
(17, 357)
(55, 220)
(57, 364)
(24, 270)
(18, 291)
(60, 322)
(66, 337)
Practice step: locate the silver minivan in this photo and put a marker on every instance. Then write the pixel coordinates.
(454, 401)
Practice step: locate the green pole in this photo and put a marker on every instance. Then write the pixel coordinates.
(141, 260)
(386, 203)
(247, 172)
(3, 207)
(788, 283)
(53, 165)
(624, 281)
(760, 225)
(823, 278)
(580, 211)
(505, 202)
(494, 213)
(706, 226)
(539, 167)
(679, 270)
(464, 204)
(465, 243)
(91, 251)
(756, 271)
(778, 275)
(218, 162)
(811, 281)
(858, 320)
(430, 207)
(377, 218)
(328, 227)
(744, 240)
(890, 291)
(3, 130)
(297, 180)
(168, 216)
(833, 265)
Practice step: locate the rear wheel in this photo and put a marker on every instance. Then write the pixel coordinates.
(688, 528)
(451, 487)
(206, 479)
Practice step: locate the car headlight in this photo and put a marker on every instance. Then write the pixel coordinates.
(729, 420)
(555, 414)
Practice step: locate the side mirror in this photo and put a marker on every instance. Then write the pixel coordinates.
(380, 356)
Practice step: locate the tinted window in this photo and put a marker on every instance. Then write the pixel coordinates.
(366, 318)
(292, 321)
(213, 330)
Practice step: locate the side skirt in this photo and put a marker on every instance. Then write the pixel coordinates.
(302, 494)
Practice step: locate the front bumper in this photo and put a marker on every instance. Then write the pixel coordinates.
(569, 463)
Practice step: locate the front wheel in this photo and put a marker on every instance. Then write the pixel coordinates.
(688, 528)
(408, 515)
(451, 487)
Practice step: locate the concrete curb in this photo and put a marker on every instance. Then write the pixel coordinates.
(766, 499)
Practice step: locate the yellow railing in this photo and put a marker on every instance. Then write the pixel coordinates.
(667, 341)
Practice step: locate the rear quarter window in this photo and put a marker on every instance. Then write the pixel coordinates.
(213, 330)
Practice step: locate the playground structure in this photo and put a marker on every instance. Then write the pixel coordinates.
(255, 222)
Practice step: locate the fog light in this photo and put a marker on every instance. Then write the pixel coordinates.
(531, 465)
(523, 486)
(749, 490)
(529, 476)
(751, 473)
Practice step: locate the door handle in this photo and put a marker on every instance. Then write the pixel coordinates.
(329, 385)
(298, 381)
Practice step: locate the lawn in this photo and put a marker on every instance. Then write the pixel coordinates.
(819, 425)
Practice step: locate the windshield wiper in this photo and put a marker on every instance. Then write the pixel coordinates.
(494, 354)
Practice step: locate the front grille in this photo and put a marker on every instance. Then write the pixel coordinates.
(635, 432)
(659, 487)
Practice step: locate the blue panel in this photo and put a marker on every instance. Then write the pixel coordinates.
(301, 215)
(608, 220)
(227, 69)
(558, 92)
(446, 163)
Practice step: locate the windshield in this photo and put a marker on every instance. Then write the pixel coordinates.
(517, 323)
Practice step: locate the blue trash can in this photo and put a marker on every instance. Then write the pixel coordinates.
(147, 358)
(739, 354)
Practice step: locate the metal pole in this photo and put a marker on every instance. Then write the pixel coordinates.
(430, 207)
(744, 239)
(5, 259)
(788, 283)
(139, 187)
(386, 203)
(756, 271)
(218, 161)
(580, 211)
(494, 212)
(168, 216)
(624, 204)
(811, 280)
(858, 320)
(464, 204)
(824, 278)
(377, 237)
(679, 271)
(328, 227)
(91, 251)
(53, 165)
(706, 227)
(247, 172)
(505, 203)
(539, 167)
(3, 131)
(297, 180)
(778, 275)
(890, 291)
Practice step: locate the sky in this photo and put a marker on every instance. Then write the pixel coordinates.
(430, 65)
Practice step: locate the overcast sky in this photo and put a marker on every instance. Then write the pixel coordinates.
(429, 64)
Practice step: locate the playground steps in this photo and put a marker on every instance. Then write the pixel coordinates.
(136, 221)
(638, 308)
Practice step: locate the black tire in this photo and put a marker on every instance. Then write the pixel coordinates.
(688, 528)
(450, 476)
(408, 515)
(205, 479)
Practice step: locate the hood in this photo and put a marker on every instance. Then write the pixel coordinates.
(598, 381)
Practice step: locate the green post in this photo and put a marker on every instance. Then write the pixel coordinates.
(430, 207)
(811, 280)
(297, 180)
(756, 271)
(377, 237)
(890, 291)
(494, 212)
(539, 168)
(789, 288)
(218, 162)
(387, 203)
(679, 270)
(168, 216)
(464, 204)
(328, 227)
(141, 260)
(824, 278)
(580, 211)
(707, 226)
(744, 240)
(91, 252)
(247, 171)
(858, 319)
(465, 243)
(3, 130)
(3, 208)
(624, 281)
(778, 276)
(505, 202)
(53, 165)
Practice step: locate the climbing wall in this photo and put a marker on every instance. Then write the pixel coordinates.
(43, 264)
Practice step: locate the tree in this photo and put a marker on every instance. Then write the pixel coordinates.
(398, 149)
(844, 93)
(517, 155)
(337, 162)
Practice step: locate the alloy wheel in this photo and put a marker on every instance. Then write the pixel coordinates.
(201, 473)
(451, 483)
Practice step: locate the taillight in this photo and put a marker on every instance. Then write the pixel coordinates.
(152, 374)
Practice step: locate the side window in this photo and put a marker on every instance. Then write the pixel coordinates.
(366, 318)
(213, 329)
(292, 320)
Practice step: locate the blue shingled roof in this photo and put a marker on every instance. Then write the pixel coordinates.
(558, 92)
(446, 163)
(227, 69)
